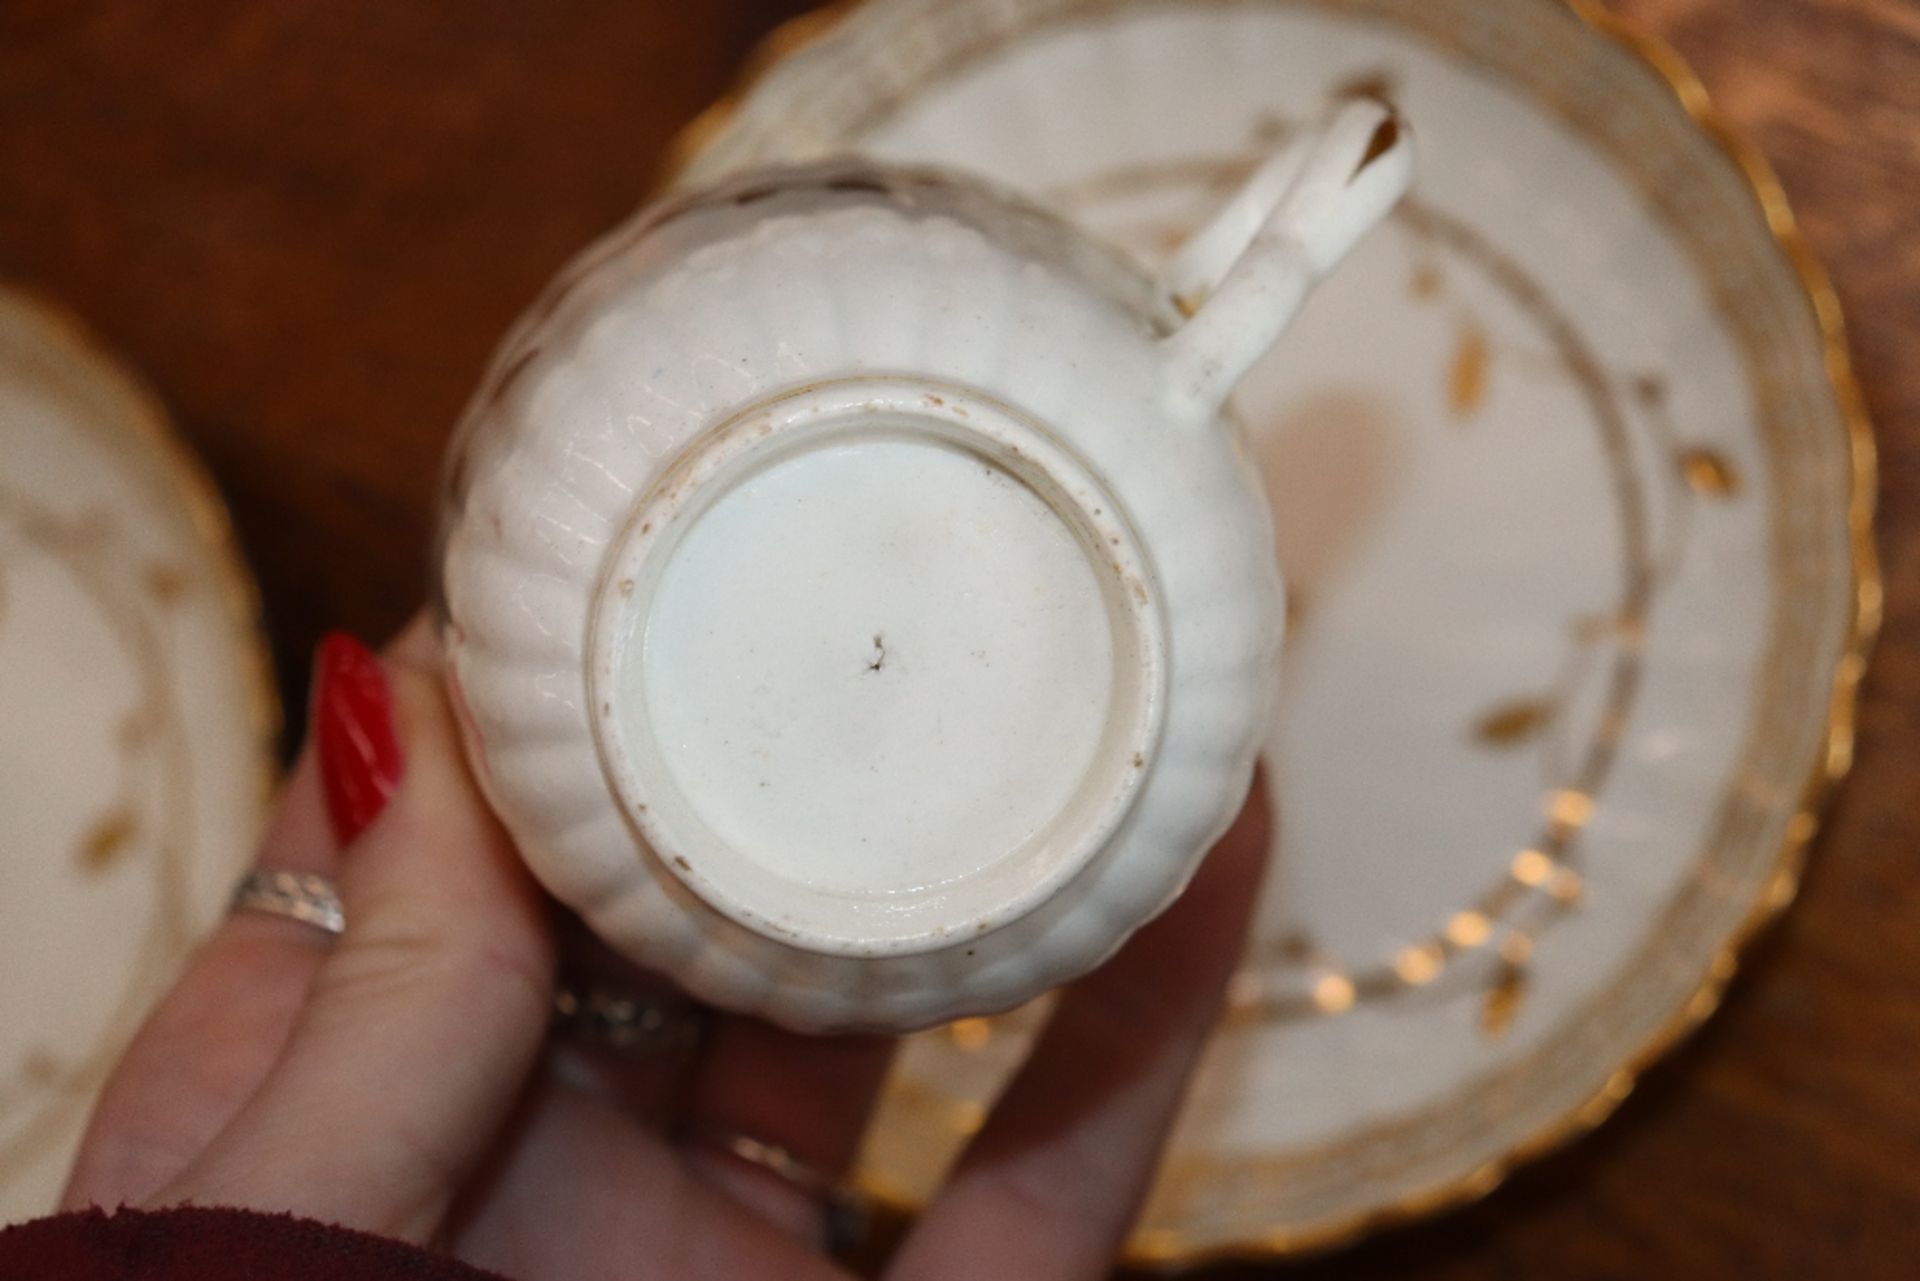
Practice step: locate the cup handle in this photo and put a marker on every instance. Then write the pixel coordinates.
(1242, 277)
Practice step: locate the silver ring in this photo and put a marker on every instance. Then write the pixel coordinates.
(627, 1022)
(847, 1213)
(306, 897)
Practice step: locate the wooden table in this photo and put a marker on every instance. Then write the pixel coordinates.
(308, 221)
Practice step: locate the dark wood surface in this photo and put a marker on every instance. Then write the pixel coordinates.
(308, 221)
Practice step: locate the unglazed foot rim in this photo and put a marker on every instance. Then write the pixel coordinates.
(840, 850)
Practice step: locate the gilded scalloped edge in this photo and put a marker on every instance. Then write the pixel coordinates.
(1166, 1250)
(208, 512)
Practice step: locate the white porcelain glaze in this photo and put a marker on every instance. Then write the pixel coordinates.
(858, 606)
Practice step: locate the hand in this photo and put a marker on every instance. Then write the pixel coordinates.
(402, 1080)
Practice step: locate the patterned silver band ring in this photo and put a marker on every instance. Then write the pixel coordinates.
(628, 1022)
(306, 897)
(622, 1022)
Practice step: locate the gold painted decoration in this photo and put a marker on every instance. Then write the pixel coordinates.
(1467, 377)
(1708, 473)
(107, 841)
(1513, 723)
(1502, 1001)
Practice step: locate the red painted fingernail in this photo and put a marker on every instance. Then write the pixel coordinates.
(353, 734)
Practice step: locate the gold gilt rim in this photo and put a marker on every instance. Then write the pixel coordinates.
(200, 497)
(1831, 767)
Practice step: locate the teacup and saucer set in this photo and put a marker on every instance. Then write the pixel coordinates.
(861, 579)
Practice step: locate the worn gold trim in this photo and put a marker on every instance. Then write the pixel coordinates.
(201, 499)
(785, 40)
(1166, 1249)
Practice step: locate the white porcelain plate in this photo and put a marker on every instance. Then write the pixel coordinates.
(1572, 491)
(136, 728)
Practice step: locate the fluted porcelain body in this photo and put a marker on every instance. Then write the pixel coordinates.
(855, 605)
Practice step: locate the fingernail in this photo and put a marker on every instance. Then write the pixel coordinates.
(353, 734)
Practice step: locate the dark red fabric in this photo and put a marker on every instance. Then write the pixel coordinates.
(196, 1244)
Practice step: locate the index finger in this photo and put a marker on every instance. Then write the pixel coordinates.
(209, 1042)
(1051, 1184)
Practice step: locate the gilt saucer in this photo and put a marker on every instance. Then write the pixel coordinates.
(1580, 542)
